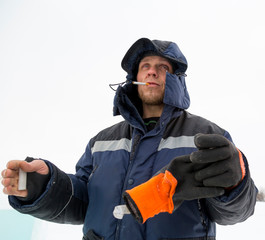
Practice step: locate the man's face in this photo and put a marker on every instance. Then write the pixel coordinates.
(152, 69)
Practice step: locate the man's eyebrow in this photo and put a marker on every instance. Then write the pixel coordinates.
(144, 60)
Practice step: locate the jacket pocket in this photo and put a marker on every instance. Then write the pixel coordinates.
(92, 173)
(92, 236)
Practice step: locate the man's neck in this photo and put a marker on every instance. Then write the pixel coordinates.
(152, 110)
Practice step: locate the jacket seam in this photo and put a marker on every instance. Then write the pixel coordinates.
(68, 200)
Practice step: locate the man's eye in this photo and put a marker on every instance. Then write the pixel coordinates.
(144, 66)
(164, 67)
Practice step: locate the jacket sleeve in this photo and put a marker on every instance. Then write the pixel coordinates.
(236, 205)
(65, 199)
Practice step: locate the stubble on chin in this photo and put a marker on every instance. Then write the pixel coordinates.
(151, 98)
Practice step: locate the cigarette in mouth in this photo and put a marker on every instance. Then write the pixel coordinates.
(140, 83)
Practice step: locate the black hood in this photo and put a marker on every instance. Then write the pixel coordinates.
(166, 49)
(127, 102)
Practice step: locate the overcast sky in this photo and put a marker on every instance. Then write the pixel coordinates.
(58, 57)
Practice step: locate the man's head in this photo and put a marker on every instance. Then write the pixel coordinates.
(152, 69)
(157, 56)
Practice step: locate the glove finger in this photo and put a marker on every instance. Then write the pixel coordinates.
(209, 192)
(210, 140)
(210, 155)
(203, 192)
(180, 166)
(175, 164)
(210, 171)
(224, 180)
(184, 158)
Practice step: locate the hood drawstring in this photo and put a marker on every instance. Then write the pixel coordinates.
(114, 86)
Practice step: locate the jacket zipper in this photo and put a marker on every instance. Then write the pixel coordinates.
(203, 220)
(136, 142)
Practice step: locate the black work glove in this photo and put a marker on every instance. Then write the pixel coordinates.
(224, 162)
(166, 191)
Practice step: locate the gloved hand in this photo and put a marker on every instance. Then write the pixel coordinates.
(166, 191)
(226, 166)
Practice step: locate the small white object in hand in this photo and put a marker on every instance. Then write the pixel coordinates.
(22, 180)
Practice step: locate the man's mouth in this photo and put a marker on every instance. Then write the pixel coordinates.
(153, 84)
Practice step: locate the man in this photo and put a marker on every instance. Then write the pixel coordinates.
(178, 173)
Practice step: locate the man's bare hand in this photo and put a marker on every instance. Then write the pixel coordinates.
(10, 175)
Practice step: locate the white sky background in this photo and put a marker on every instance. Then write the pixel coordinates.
(58, 57)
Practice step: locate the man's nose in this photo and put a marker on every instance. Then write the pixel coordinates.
(153, 71)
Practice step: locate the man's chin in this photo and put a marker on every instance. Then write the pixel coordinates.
(151, 98)
(152, 101)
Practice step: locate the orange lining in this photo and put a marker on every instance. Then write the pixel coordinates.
(242, 164)
(243, 169)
